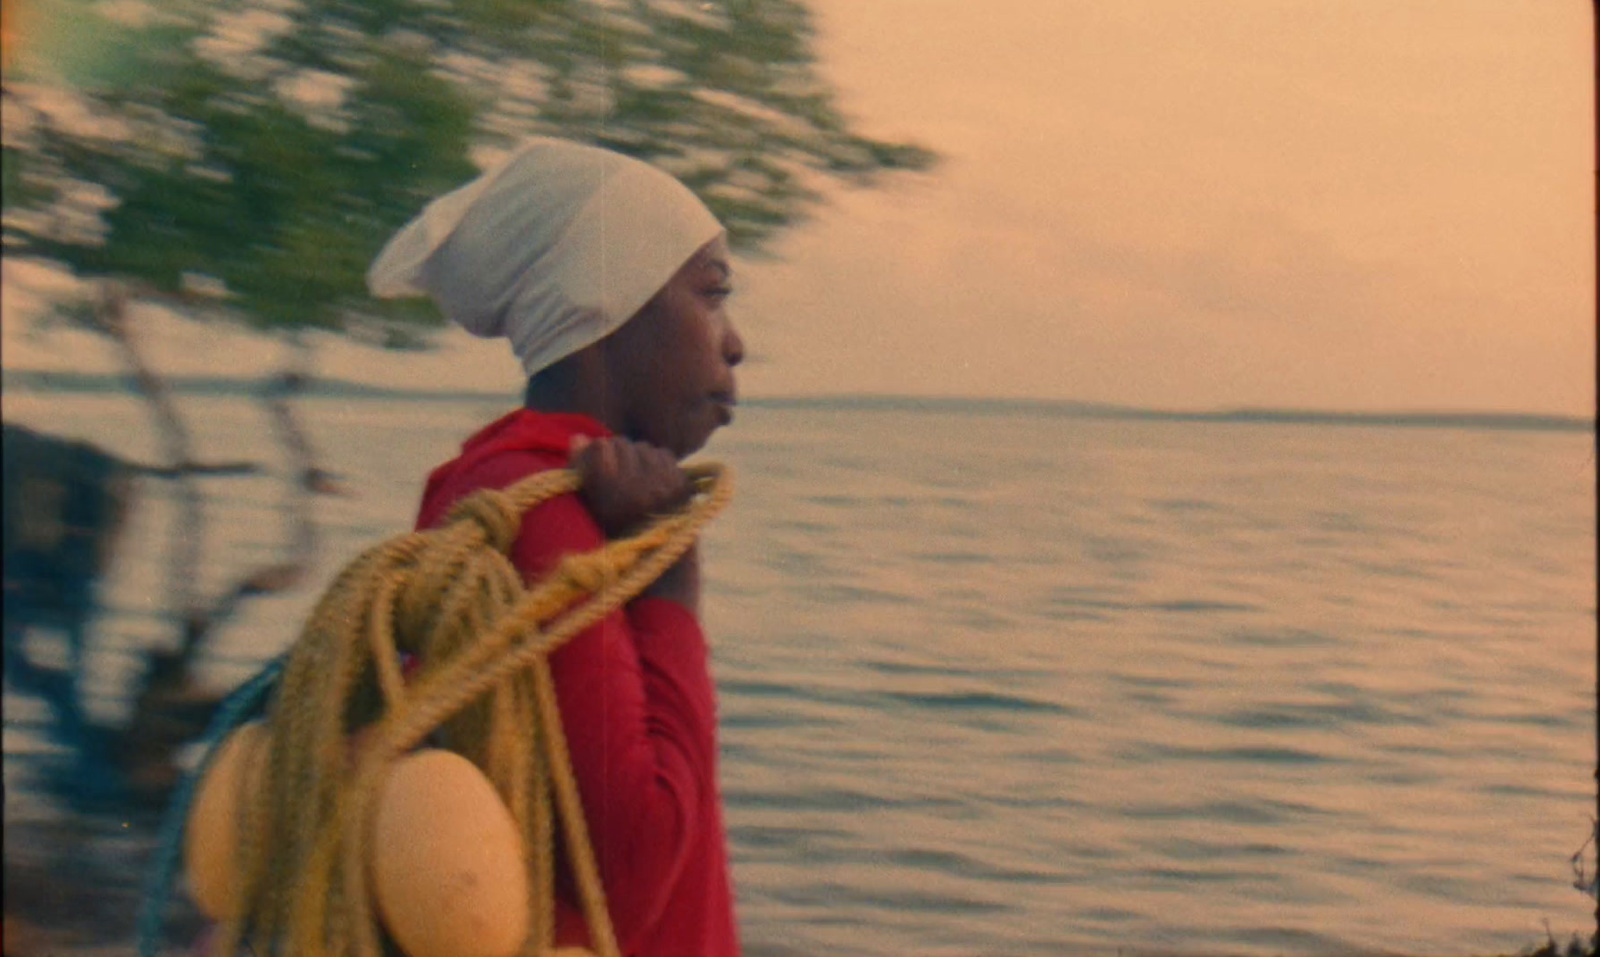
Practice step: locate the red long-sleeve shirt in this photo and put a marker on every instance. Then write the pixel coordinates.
(639, 711)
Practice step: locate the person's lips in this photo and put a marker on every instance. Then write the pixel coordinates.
(723, 402)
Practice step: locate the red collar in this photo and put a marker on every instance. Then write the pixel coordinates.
(528, 431)
(521, 431)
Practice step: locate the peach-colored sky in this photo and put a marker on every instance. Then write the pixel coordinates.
(1326, 203)
(1340, 204)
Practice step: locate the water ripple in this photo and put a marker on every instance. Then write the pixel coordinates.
(833, 894)
(1260, 811)
(1197, 605)
(1318, 716)
(828, 799)
(980, 701)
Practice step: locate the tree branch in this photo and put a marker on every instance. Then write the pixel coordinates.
(169, 708)
(220, 469)
(112, 315)
(307, 479)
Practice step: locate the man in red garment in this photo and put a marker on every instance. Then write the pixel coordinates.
(623, 408)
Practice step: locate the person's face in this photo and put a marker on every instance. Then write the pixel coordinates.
(672, 363)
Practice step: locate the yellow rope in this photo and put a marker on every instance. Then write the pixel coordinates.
(452, 597)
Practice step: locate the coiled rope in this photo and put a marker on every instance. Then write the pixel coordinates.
(342, 713)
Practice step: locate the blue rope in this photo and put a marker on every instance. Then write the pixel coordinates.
(233, 712)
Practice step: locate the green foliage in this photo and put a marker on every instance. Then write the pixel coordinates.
(274, 145)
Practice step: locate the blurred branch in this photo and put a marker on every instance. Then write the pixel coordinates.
(112, 315)
(169, 708)
(1582, 879)
(198, 468)
(305, 479)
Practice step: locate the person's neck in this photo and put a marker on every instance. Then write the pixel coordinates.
(565, 389)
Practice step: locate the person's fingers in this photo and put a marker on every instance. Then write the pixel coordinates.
(628, 481)
(631, 465)
(581, 460)
(654, 478)
(602, 460)
(674, 482)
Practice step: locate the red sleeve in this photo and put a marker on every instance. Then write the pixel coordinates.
(639, 712)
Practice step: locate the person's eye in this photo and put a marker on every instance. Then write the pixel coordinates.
(720, 292)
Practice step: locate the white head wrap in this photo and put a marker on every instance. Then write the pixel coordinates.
(554, 249)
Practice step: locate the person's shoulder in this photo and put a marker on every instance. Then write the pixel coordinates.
(489, 472)
(561, 522)
(561, 525)
(507, 468)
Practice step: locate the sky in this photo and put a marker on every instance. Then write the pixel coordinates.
(1352, 204)
(1183, 204)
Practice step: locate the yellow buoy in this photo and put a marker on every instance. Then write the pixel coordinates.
(447, 861)
(211, 838)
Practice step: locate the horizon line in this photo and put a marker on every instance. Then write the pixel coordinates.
(323, 387)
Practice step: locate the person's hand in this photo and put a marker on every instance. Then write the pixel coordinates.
(626, 482)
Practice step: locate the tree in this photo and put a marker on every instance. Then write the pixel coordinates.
(263, 150)
(248, 159)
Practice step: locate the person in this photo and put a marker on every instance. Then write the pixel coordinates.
(610, 280)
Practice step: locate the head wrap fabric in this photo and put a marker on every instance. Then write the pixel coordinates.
(554, 249)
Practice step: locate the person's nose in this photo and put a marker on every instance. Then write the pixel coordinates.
(732, 346)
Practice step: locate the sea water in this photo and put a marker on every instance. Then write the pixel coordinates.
(1002, 681)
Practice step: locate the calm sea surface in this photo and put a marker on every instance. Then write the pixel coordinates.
(1014, 683)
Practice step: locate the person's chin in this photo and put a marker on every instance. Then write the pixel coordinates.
(695, 443)
(696, 437)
